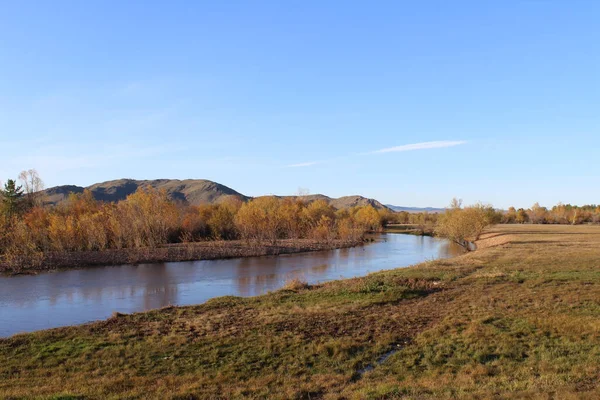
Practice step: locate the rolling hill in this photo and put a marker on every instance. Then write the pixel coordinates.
(188, 191)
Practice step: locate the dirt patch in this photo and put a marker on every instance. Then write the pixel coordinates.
(493, 240)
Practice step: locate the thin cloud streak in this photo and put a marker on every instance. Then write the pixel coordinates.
(420, 146)
(304, 164)
(406, 147)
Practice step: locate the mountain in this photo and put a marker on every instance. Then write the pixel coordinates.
(415, 209)
(353, 201)
(341, 203)
(188, 191)
(57, 194)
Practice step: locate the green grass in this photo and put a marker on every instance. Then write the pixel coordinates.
(517, 319)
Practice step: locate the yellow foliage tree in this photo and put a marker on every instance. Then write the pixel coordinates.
(367, 218)
(259, 220)
(464, 225)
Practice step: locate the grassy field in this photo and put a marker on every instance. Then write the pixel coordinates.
(517, 318)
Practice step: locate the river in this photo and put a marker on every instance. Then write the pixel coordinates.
(68, 297)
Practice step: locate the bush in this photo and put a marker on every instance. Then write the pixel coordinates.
(463, 225)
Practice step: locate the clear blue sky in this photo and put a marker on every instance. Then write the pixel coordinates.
(270, 96)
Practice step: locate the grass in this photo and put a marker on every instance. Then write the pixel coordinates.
(516, 318)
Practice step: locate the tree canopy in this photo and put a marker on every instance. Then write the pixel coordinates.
(12, 199)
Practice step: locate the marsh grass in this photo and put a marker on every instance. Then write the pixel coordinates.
(516, 320)
(295, 285)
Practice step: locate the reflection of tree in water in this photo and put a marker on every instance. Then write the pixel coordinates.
(344, 253)
(157, 291)
(151, 281)
(320, 268)
(255, 275)
(450, 249)
(252, 285)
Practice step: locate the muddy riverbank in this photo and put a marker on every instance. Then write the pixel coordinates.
(214, 250)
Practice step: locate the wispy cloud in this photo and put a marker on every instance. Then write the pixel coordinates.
(304, 164)
(406, 147)
(419, 146)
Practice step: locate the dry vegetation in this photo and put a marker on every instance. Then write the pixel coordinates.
(143, 227)
(562, 214)
(515, 320)
(465, 225)
(206, 250)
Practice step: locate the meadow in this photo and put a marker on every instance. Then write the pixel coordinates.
(516, 318)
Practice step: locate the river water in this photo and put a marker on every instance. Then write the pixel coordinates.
(68, 297)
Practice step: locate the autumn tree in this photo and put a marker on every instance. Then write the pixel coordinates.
(346, 226)
(537, 214)
(77, 225)
(259, 219)
(596, 214)
(368, 219)
(403, 217)
(148, 217)
(193, 225)
(522, 216)
(222, 219)
(32, 186)
(315, 215)
(324, 230)
(510, 216)
(290, 212)
(386, 216)
(36, 222)
(464, 225)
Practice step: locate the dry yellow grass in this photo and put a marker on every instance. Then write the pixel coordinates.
(516, 319)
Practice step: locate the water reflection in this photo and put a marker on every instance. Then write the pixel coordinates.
(451, 249)
(69, 297)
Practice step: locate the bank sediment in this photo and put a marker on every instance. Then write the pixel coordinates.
(170, 253)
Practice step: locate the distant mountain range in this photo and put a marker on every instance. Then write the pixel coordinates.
(188, 191)
(415, 209)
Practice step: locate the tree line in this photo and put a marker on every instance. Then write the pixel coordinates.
(559, 214)
(148, 218)
(565, 214)
(466, 224)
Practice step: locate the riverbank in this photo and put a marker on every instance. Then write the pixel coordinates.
(516, 318)
(410, 229)
(210, 250)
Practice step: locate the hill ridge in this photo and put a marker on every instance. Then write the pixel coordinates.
(415, 209)
(188, 191)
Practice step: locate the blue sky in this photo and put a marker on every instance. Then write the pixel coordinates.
(486, 101)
